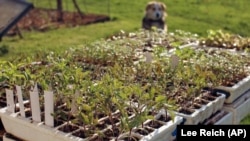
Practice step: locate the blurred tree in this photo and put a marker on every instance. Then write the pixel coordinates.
(59, 10)
(59, 4)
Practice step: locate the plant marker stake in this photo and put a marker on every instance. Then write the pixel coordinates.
(148, 56)
(20, 100)
(10, 100)
(74, 103)
(35, 105)
(49, 108)
(174, 61)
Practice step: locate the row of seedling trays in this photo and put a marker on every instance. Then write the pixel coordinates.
(29, 123)
(32, 123)
(237, 103)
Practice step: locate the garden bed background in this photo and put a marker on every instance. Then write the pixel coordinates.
(41, 19)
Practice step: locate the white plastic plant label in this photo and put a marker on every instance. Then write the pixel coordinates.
(149, 57)
(10, 100)
(20, 100)
(49, 108)
(174, 61)
(74, 103)
(35, 105)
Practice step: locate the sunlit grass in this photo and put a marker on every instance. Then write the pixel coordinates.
(196, 16)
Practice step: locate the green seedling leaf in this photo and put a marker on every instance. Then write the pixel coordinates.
(86, 107)
(85, 118)
(160, 99)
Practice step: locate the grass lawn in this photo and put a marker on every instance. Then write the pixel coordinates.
(196, 16)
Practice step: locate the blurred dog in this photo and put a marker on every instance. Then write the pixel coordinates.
(155, 14)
